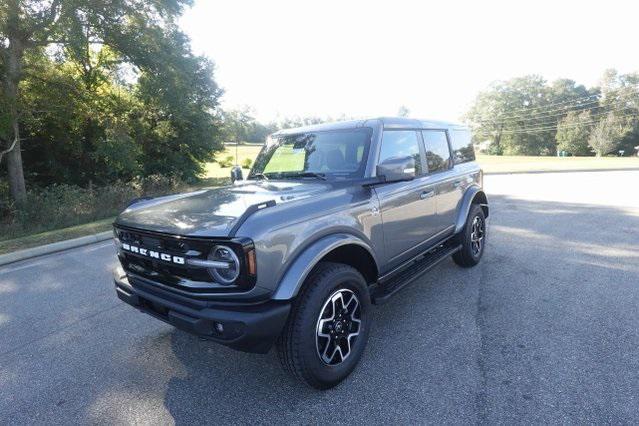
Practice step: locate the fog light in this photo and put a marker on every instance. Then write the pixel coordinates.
(219, 327)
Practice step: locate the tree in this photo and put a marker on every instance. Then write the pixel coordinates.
(237, 124)
(175, 124)
(290, 122)
(620, 93)
(573, 132)
(520, 116)
(607, 134)
(137, 29)
(403, 111)
(23, 25)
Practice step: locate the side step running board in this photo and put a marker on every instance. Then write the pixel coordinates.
(382, 292)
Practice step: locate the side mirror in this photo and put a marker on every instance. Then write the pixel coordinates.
(236, 173)
(397, 169)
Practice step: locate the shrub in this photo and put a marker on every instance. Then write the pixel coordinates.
(247, 163)
(60, 206)
(227, 162)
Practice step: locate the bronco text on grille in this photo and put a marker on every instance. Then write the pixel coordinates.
(153, 254)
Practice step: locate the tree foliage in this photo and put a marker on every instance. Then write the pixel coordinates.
(403, 111)
(239, 126)
(573, 132)
(607, 134)
(97, 90)
(520, 116)
(530, 116)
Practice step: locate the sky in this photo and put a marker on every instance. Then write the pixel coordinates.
(367, 58)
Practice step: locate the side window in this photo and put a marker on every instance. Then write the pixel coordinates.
(462, 146)
(401, 143)
(437, 152)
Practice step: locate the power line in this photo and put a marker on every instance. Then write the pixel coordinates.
(550, 114)
(554, 123)
(553, 104)
(550, 128)
(530, 116)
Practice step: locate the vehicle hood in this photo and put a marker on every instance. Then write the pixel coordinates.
(215, 211)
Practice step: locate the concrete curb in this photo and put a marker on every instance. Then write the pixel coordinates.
(17, 256)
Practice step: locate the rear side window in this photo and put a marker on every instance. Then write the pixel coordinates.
(401, 143)
(462, 146)
(437, 152)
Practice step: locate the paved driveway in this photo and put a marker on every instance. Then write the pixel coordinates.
(546, 329)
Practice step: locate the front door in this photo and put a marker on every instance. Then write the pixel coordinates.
(408, 209)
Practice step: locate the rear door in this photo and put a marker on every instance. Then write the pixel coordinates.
(407, 208)
(440, 170)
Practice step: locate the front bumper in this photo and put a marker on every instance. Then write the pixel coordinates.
(248, 328)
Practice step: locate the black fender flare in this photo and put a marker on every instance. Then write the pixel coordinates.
(470, 195)
(299, 269)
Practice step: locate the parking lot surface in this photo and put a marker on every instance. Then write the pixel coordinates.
(545, 329)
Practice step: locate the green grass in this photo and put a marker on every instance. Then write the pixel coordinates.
(285, 160)
(213, 170)
(55, 236)
(522, 164)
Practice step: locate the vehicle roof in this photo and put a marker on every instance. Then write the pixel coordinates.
(385, 122)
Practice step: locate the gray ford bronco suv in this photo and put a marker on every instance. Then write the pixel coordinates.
(331, 219)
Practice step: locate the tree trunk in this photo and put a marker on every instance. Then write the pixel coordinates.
(14, 55)
(16, 175)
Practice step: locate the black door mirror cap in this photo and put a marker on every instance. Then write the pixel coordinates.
(396, 169)
(236, 173)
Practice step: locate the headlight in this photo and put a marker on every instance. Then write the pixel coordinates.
(231, 269)
(222, 263)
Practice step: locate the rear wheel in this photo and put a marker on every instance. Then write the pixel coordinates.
(472, 238)
(327, 330)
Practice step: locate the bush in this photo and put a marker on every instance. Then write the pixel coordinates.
(247, 163)
(60, 206)
(155, 185)
(227, 162)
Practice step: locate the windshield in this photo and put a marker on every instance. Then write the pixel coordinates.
(331, 154)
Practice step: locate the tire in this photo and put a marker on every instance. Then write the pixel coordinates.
(472, 238)
(308, 345)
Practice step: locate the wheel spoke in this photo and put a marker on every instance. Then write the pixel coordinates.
(322, 327)
(326, 358)
(341, 301)
(352, 305)
(338, 348)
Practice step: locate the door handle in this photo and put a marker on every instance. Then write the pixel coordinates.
(426, 194)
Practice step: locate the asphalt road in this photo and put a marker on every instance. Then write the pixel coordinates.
(545, 329)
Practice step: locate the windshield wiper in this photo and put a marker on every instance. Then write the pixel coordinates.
(321, 176)
(259, 175)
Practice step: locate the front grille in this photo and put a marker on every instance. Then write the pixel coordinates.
(180, 276)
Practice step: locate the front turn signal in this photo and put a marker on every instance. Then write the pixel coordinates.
(250, 262)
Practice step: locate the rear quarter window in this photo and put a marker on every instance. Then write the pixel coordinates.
(462, 146)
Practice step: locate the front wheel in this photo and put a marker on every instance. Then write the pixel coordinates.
(327, 330)
(473, 238)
